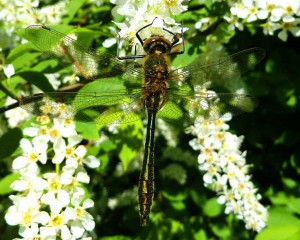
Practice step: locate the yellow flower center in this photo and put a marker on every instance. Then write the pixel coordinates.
(54, 185)
(44, 119)
(289, 10)
(69, 151)
(171, 3)
(27, 217)
(43, 130)
(286, 26)
(270, 7)
(54, 133)
(33, 157)
(57, 220)
(79, 212)
(46, 109)
(252, 10)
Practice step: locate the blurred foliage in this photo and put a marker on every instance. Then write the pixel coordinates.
(181, 209)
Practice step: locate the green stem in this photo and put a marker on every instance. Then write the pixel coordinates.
(57, 168)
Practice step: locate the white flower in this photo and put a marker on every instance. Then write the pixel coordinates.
(17, 115)
(72, 79)
(107, 43)
(270, 27)
(81, 220)
(8, 70)
(48, 233)
(70, 151)
(234, 23)
(291, 27)
(32, 154)
(167, 7)
(29, 182)
(29, 232)
(239, 10)
(139, 14)
(27, 4)
(226, 171)
(91, 161)
(61, 128)
(286, 9)
(56, 197)
(54, 80)
(52, 13)
(26, 210)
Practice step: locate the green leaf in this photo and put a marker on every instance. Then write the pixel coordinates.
(88, 130)
(279, 198)
(196, 197)
(86, 36)
(174, 197)
(71, 9)
(110, 84)
(208, 3)
(108, 145)
(104, 159)
(175, 172)
(200, 235)
(294, 204)
(281, 232)
(9, 142)
(178, 206)
(223, 33)
(221, 230)
(12, 83)
(126, 155)
(212, 208)
(219, 9)
(290, 183)
(45, 65)
(26, 58)
(168, 108)
(20, 55)
(37, 79)
(282, 216)
(7, 181)
(186, 58)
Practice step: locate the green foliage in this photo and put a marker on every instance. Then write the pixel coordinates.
(9, 142)
(6, 182)
(183, 209)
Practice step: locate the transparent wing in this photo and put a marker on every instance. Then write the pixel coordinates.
(223, 72)
(116, 107)
(109, 108)
(211, 106)
(86, 62)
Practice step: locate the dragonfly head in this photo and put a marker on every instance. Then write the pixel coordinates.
(157, 45)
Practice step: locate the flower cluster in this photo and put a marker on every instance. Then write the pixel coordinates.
(278, 15)
(282, 16)
(51, 201)
(18, 14)
(226, 172)
(140, 13)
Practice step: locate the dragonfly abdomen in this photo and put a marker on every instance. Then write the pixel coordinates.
(146, 193)
(146, 181)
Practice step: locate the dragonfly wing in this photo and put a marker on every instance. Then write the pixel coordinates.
(206, 106)
(85, 61)
(111, 108)
(223, 72)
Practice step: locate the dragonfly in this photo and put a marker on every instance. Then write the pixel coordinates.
(124, 89)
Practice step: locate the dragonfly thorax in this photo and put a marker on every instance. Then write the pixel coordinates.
(157, 45)
(155, 86)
